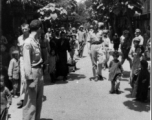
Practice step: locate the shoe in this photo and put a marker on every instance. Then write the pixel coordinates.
(100, 77)
(117, 92)
(111, 92)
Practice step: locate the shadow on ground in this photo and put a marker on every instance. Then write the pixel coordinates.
(45, 119)
(126, 74)
(74, 76)
(137, 106)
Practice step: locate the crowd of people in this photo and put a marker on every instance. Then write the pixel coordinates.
(36, 53)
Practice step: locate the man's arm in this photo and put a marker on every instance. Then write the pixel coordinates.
(27, 60)
(141, 41)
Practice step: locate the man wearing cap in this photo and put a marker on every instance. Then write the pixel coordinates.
(21, 39)
(82, 40)
(33, 73)
(135, 54)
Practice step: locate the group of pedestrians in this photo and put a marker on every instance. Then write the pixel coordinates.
(36, 53)
(134, 50)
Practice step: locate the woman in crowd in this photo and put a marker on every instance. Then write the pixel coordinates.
(135, 54)
(63, 46)
(141, 85)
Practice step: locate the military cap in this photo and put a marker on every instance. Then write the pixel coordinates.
(125, 32)
(81, 26)
(15, 52)
(105, 31)
(137, 31)
(35, 24)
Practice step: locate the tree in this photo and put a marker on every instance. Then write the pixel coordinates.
(117, 11)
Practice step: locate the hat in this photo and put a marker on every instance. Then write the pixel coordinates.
(125, 32)
(81, 26)
(73, 28)
(35, 24)
(100, 24)
(137, 31)
(15, 52)
(136, 39)
(105, 31)
(91, 26)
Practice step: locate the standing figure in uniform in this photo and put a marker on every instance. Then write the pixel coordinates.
(21, 39)
(33, 73)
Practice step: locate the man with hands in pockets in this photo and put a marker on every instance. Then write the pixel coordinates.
(33, 73)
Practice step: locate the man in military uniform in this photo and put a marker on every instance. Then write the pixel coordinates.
(33, 73)
(95, 45)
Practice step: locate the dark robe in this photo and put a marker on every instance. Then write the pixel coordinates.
(62, 47)
(140, 89)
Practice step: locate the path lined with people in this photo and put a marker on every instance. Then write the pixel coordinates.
(81, 99)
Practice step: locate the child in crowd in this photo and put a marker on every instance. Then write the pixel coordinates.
(13, 72)
(5, 99)
(52, 65)
(115, 74)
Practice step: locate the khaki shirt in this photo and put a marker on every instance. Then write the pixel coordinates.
(31, 56)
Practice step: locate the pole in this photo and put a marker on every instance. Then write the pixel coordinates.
(0, 18)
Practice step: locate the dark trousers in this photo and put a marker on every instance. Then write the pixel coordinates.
(116, 46)
(53, 77)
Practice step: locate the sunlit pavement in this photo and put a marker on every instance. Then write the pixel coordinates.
(82, 99)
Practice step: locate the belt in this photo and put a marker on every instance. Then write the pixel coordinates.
(37, 66)
(96, 43)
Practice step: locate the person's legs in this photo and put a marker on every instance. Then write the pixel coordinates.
(33, 97)
(99, 71)
(112, 87)
(93, 56)
(29, 109)
(117, 83)
(39, 98)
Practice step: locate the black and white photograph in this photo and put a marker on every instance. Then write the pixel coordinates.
(75, 59)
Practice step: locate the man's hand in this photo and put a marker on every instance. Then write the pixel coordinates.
(32, 84)
(8, 105)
